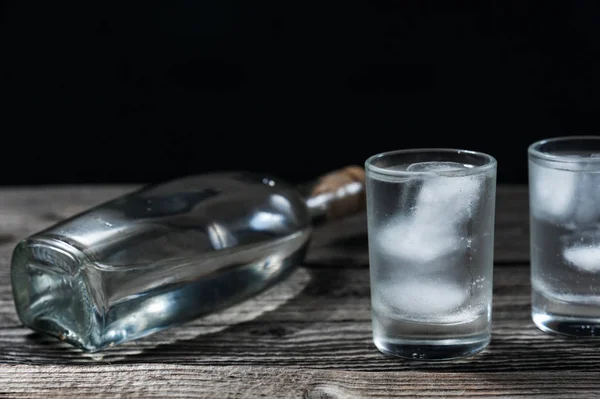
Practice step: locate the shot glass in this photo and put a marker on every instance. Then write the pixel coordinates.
(431, 248)
(564, 204)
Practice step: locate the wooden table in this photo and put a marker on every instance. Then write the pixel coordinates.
(309, 336)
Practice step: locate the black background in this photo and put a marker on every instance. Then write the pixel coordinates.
(99, 92)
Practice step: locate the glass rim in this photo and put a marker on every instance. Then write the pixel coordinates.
(490, 162)
(534, 151)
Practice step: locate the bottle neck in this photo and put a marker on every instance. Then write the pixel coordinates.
(336, 195)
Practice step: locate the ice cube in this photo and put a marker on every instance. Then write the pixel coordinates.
(582, 249)
(432, 231)
(553, 193)
(570, 198)
(447, 199)
(420, 298)
(584, 257)
(418, 242)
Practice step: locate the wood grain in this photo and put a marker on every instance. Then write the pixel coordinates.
(190, 381)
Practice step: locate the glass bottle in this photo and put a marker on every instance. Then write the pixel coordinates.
(169, 253)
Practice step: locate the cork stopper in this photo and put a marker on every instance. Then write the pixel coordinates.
(339, 193)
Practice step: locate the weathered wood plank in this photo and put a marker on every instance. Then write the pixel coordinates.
(319, 318)
(190, 381)
(24, 211)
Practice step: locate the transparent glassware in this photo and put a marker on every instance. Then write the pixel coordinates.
(431, 242)
(564, 199)
(169, 253)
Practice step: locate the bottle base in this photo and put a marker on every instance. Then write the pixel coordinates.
(53, 295)
(567, 326)
(432, 350)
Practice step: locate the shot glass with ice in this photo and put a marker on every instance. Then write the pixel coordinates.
(431, 242)
(564, 204)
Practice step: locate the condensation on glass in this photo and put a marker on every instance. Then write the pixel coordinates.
(431, 242)
(564, 199)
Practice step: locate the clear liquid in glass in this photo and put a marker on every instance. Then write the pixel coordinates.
(431, 254)
(565, 245)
